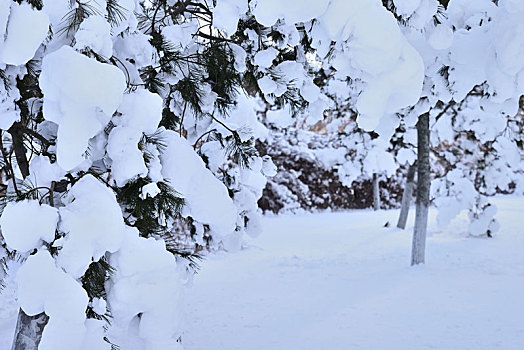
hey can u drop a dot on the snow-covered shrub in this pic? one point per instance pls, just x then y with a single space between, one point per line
310 175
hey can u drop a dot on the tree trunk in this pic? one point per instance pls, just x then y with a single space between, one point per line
28 332
406 196
376 193
423 186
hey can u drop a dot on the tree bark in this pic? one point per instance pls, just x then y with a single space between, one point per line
406 196
423 187
28 332
376 193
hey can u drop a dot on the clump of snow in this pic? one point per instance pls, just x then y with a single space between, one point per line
239 57
44 287
95 33
406 7
441 37
150 191
227 13
281 118
371 46
206 198
242 118
268 12
457 193
26 224
26 29
379 161
80 95
42 172
141 113
180 35
144 294
93 224
99 306
128 160
267 85
128 20
264 58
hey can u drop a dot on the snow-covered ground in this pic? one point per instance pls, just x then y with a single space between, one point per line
343 281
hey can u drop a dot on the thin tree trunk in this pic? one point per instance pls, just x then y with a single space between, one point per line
423 186
376 193
406 196
28 332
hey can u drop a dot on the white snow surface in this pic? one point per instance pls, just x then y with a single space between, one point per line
95 33
343 281
316 281
26 224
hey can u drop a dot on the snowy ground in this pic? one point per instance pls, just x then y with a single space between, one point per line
343 281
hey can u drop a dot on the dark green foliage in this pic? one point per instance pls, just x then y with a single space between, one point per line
169 119
146 212
151 80
115 12
37 4
189 89
187 253
5 81
3 264
241 152
79 11
222 75
93 281
293 99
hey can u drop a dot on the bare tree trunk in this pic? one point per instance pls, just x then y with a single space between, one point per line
376 193
406 196
28 332
423 186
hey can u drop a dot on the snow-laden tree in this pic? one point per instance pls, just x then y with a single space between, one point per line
127 146
471 92
417 63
